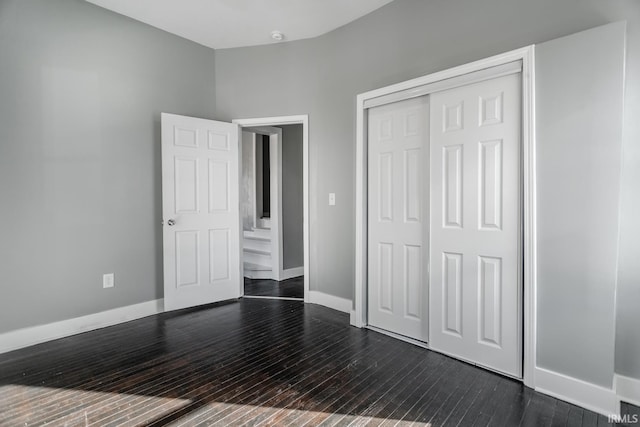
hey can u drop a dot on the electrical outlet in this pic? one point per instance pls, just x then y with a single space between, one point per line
108 280
332 199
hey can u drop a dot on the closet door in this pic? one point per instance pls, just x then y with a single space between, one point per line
476 279
398 218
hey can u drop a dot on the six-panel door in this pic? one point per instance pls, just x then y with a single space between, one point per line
398 218
201 232
476 273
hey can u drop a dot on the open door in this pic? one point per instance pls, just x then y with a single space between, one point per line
200 208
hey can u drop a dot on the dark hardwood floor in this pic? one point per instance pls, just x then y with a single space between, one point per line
259 362
291 288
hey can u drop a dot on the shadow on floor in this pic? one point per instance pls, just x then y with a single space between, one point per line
259 361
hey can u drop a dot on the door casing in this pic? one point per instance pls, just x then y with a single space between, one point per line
527 57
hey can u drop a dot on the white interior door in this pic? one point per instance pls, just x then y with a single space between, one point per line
200 204
398 218
475 292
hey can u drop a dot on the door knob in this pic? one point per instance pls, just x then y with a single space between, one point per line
171 222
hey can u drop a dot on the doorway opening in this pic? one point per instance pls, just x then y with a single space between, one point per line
274 207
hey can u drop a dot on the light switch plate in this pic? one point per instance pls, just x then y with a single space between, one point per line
332 199
108 280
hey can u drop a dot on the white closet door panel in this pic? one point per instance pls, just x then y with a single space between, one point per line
398 218
475 293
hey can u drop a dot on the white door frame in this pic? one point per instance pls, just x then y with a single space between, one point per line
290 120
526 56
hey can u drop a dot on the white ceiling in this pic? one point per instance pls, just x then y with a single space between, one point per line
234 23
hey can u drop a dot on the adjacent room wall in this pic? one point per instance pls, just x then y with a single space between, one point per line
410 38
292 197
247 183
81 92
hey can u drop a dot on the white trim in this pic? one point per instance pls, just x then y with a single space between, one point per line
240 222
336 303
590 396
529 244
290 273
526 55
360 293
441 85
291 120
627 389
254 158
492 61
26 337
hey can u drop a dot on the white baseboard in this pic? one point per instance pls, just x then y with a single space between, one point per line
627 389
590 396
336 303
290 273
26 337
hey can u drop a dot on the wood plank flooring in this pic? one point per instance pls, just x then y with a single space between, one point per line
290 288
259 362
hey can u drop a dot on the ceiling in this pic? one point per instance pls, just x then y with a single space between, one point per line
234 23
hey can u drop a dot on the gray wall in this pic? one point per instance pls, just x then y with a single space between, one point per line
579 99
81 91
406 39
292 197
247 184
